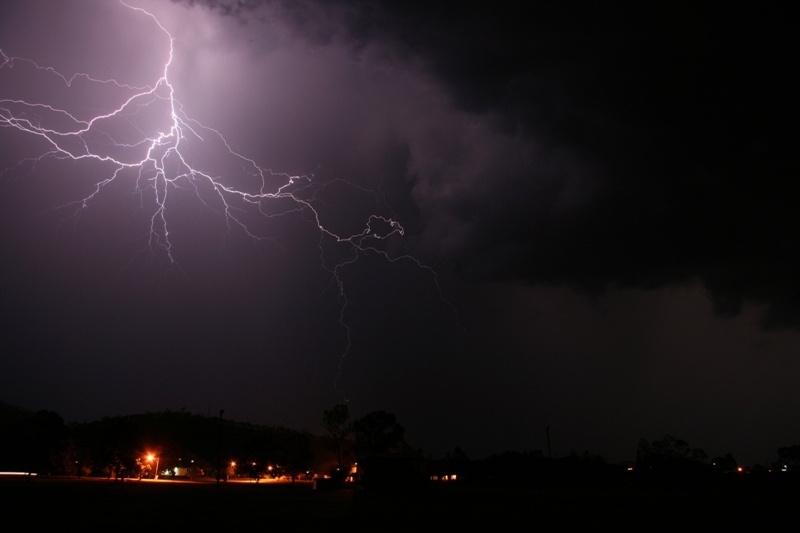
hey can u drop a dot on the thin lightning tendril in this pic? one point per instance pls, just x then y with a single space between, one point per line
164 164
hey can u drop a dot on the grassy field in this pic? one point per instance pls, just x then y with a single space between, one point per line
161 505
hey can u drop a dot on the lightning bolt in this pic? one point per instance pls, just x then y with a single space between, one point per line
148 138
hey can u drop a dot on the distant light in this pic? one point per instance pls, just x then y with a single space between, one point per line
740 469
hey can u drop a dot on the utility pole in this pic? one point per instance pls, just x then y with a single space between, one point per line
219 448
549 451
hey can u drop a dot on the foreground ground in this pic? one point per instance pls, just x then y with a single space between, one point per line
161 505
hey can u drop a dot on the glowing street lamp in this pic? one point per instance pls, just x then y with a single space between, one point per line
150 458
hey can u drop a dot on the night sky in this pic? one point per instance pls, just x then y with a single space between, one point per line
485 218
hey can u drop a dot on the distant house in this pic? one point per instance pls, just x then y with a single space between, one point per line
446 470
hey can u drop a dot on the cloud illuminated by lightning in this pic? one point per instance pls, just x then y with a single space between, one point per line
146 138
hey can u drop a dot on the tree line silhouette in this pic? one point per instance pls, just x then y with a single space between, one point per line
182 445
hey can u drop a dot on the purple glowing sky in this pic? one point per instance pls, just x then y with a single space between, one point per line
595 202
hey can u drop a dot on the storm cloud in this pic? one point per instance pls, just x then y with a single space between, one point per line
598 200
582 144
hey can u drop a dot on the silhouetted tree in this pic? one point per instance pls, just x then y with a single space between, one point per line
724 464
670 457
674 447
37 442
336 423
294 453
378 432
112 445
256 448
789 456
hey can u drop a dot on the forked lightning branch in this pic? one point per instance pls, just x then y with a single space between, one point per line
149 136
144 140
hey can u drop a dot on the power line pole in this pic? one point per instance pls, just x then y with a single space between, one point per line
219 448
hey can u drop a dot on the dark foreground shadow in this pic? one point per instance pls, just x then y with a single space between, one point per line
92 505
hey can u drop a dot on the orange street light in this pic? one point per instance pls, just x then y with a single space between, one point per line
150 458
